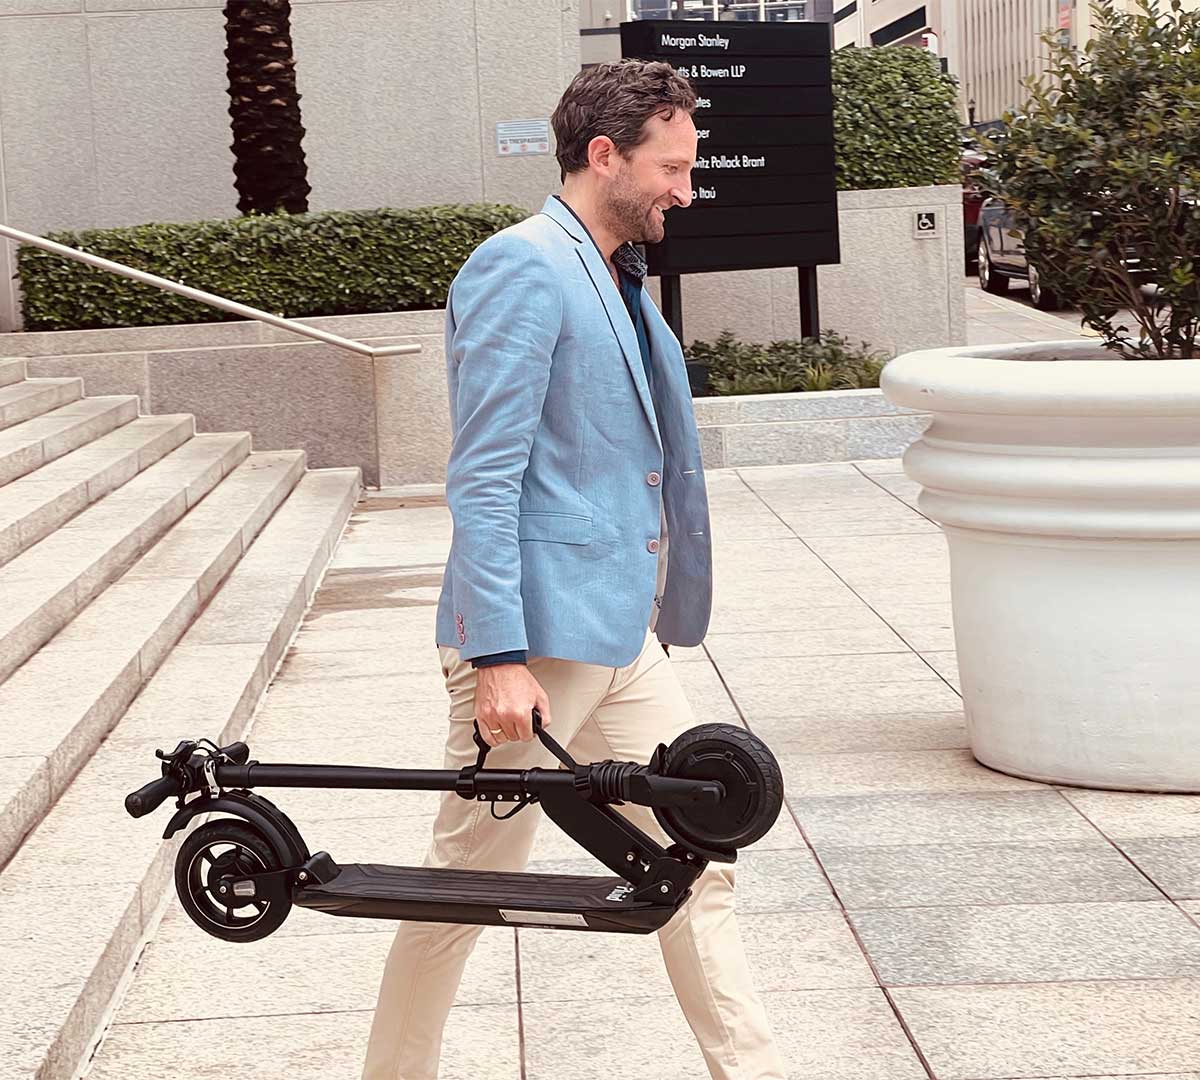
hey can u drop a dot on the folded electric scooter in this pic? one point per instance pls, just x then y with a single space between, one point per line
714 790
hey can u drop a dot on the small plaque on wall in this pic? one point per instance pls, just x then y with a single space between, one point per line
926 225
522 137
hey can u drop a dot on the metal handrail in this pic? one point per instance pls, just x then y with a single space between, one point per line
203 297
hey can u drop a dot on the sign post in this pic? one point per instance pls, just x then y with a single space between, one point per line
764 189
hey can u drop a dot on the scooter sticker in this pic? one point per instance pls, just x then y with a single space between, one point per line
619 893
542 918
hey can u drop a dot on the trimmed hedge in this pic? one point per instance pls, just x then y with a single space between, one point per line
830 362
895 119
329 263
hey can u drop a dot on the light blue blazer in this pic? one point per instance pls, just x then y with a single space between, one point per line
562 464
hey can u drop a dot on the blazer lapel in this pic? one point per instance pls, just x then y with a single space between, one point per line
610 297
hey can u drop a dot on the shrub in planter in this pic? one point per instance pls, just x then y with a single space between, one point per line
1102 172
1067 480
830 362
895 119
335 262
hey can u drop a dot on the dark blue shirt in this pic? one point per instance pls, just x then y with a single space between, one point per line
631 274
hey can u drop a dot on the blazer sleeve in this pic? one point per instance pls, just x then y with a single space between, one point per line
506 308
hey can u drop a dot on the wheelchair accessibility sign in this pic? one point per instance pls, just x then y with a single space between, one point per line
926 225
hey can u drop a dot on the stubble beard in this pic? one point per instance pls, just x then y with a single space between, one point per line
631 215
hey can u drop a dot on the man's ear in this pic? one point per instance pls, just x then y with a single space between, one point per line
602 155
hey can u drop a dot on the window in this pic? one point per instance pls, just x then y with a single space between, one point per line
726 10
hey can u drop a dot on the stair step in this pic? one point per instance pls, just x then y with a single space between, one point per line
45 586
21 401
32 507
113 646
12 371
208 685
30 445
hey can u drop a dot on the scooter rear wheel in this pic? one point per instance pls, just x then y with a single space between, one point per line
215 850
753 788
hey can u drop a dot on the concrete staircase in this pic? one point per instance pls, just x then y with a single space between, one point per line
150 579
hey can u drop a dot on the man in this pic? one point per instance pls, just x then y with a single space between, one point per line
574 445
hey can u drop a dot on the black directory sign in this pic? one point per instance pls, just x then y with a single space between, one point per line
763 188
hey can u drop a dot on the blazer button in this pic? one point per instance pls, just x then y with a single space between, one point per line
654 479
652 546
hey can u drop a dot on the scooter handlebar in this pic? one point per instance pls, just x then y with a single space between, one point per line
151 796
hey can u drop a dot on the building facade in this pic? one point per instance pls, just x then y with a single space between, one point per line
864 23
116 112
1000 44
990 46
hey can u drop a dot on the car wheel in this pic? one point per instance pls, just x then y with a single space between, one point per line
989 280
1043 299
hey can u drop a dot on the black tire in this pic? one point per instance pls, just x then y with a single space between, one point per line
753 785
196 886
990 280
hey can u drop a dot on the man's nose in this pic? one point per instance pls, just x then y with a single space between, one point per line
683 194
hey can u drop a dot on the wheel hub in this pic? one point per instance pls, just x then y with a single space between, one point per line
210 879
751 778
234 863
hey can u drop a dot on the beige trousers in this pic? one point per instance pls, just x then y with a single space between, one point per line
597 713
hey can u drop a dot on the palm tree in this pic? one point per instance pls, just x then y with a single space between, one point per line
269 168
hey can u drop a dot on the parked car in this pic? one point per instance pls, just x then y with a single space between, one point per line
1001 257
973 196
1002 260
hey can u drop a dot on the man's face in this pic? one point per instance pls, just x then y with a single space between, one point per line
655 176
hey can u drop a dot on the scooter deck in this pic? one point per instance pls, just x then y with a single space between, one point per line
426 894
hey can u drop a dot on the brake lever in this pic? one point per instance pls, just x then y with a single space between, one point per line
182 751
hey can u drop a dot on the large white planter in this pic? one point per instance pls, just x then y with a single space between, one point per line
1067 481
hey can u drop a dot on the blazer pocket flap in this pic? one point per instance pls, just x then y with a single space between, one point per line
556 528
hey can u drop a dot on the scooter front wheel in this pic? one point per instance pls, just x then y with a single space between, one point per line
222 849
753 788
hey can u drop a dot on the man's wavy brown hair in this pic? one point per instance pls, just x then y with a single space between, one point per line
615 99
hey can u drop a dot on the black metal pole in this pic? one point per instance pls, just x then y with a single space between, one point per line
810 308
361 777
672 304
368 778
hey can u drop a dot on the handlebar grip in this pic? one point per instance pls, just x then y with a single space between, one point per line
237 752
151 796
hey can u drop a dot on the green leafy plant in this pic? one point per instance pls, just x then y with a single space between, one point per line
829 362
895 119
329 263
1102 174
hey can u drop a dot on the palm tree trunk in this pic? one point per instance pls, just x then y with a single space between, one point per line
269 169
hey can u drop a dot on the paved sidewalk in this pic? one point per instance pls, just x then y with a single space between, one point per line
913 914
1000 320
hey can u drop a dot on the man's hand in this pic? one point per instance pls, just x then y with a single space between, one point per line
505 697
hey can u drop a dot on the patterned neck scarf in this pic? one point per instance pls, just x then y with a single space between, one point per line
628 257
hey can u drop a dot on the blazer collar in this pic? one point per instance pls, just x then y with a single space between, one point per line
610 297
558 210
